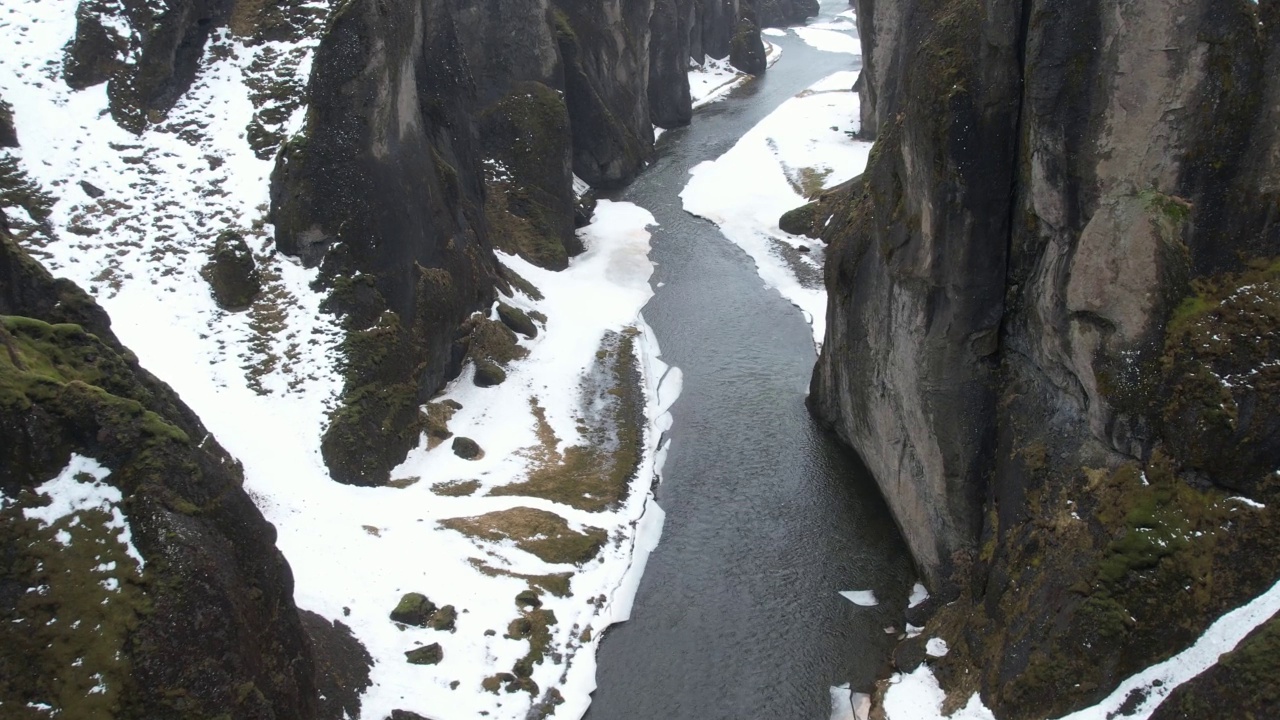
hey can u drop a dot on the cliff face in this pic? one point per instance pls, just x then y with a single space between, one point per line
438 131
916 276
207 626
1053 303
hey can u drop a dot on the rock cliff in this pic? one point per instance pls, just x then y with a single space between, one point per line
195 619
1051 328
437 132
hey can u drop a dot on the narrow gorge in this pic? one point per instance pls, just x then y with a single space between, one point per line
455 359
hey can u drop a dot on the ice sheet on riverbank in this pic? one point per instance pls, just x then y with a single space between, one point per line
830 38
714 79
263 381
917 696
800 148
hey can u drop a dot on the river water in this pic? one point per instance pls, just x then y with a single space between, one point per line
768 517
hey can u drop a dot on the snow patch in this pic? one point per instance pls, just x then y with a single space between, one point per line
918 595
936 648
864 598
918 696
802 146
78 488
829 40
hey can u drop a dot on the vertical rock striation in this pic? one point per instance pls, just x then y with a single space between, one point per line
438 131
916 274
1054 298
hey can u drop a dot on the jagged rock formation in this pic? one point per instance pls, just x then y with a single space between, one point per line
386 189
670 29
1054 298
778 13
208 626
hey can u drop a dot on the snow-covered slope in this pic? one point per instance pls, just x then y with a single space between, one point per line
134 221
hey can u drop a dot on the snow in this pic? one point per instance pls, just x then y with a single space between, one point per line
936 648
842 703
714 78
918 595
263 381
864 598
774 32
829 40
918 696
78 488
748 188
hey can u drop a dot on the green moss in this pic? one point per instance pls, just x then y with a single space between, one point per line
535 626
66 637
529 204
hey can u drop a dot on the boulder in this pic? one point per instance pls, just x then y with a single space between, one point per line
517 320
232 273
466 448
413 609
427 655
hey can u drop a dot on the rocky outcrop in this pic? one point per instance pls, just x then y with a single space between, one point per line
780 13
232 273
148 71
746 52
1052 298
383 190
207 626
8 132
436 132
605 49
916 278
670 104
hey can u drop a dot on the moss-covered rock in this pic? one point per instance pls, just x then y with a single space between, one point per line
232 273
801 221
517 320
529 175
747 52
445 618
413 609
426 655
68 387
489 374
466 448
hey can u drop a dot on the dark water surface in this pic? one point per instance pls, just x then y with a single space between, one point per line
737 615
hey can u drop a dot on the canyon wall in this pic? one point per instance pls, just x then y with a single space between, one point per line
1051 334
437 132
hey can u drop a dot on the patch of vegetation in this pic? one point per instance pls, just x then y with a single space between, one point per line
538 532
533 625
529 200
456 488
436 423
597 475
555 583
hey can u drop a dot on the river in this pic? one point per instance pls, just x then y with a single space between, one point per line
767 516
